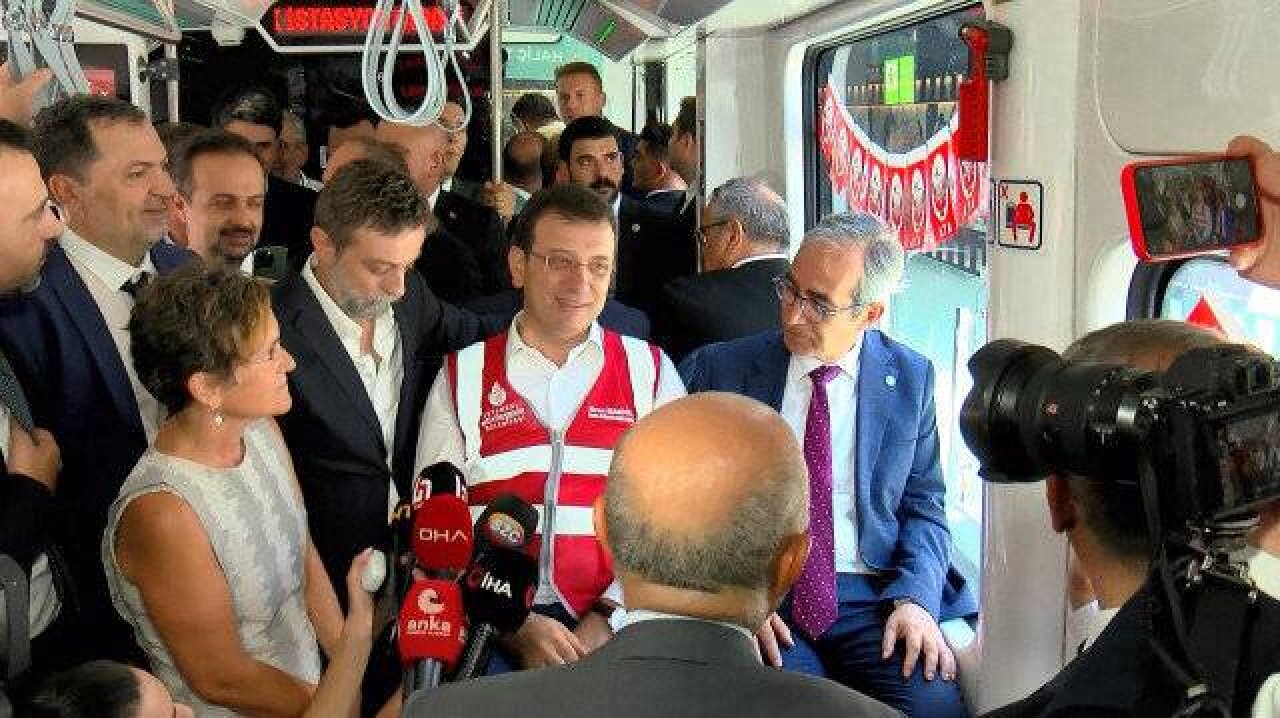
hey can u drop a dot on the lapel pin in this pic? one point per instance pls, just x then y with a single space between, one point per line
891 381
635 228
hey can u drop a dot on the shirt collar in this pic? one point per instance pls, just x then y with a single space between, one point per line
109 270
517 345
446 185
759 258
617 205
640 615
344 325
431 200
800 366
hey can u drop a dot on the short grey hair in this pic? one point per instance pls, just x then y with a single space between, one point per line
736 553
883 259
761 211
288 118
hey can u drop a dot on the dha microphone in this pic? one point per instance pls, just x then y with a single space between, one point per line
432 631
442 535
500 583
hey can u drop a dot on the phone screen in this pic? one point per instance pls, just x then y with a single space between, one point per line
1196 206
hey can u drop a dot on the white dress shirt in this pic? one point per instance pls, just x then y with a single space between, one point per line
381 372
103 275
641 615
553 392
842 400
44 604
758 258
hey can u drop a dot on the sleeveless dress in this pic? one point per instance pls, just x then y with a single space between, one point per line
255 522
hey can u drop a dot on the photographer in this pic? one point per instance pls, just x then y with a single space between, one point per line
1120 673
1261 262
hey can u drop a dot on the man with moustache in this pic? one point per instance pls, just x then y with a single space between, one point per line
67 341
651 250
29 455
221 190
564 390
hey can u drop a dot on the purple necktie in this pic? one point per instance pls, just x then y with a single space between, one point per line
814 595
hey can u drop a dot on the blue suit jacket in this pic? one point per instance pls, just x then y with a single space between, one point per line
75 381
902 526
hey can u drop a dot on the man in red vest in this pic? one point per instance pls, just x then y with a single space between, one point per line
536 411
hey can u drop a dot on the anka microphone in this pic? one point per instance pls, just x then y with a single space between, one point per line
432 632
500 583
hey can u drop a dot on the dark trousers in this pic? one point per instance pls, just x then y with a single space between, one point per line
503 661
849 653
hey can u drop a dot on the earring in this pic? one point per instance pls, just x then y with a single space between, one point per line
218 418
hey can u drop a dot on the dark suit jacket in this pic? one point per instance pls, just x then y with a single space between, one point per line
661 668
902 528
617 316
27 517
479 228
75 381
718 306
450 267
669 203
287 216
652 250
332 429
1120 675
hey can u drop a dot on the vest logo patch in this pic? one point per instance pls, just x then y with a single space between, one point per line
620 414
500 414
497 395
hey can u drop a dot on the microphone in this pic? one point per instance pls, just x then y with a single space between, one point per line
438 479
431 632
442 535
500 583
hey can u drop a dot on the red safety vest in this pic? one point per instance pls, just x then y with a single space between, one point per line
508 450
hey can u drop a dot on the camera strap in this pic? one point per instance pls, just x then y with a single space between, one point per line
1218 632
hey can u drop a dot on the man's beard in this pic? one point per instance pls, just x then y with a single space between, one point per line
360 309
604 184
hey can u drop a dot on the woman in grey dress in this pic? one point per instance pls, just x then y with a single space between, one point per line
207 551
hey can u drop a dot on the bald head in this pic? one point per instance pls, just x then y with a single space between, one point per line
704 495
424 149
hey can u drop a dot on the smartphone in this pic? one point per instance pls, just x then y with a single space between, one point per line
1190 206
270 262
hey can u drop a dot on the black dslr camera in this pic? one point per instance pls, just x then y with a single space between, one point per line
1208 428
1200 442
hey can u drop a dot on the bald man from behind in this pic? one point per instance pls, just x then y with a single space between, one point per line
705 517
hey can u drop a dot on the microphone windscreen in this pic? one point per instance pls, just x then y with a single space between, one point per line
439 479
499 587
508 521
442 534
432 623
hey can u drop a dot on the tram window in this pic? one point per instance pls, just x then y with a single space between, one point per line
1209 292
898 88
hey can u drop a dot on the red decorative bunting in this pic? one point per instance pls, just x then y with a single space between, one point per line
925 194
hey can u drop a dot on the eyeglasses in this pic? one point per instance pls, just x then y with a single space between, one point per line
701 232
813 310
562 263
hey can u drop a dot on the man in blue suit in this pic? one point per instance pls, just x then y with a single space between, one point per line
866 609
68 342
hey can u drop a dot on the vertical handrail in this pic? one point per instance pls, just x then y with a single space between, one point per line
497 20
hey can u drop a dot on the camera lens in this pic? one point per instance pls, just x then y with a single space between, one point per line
990 419
1030 414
